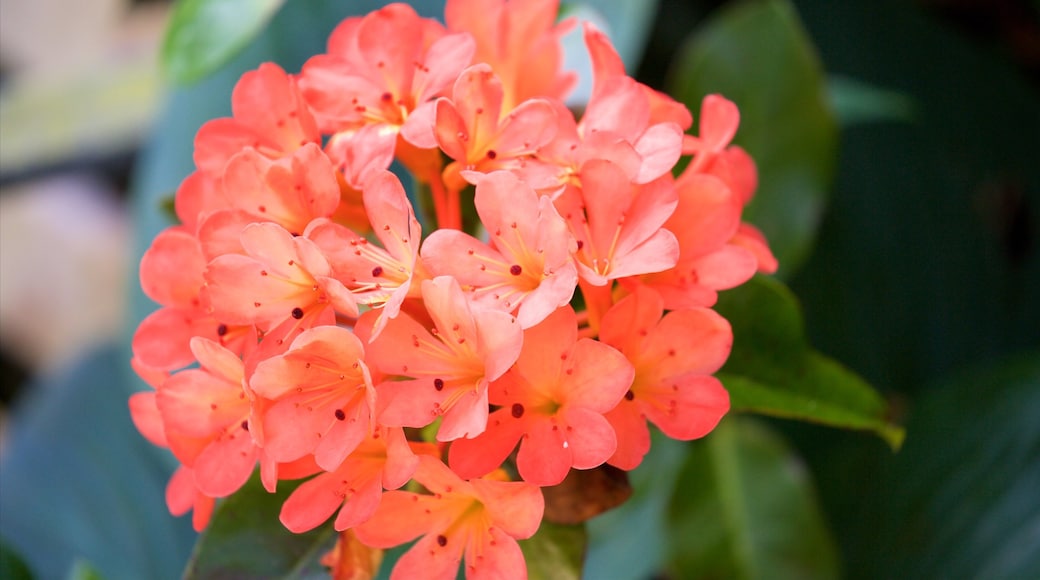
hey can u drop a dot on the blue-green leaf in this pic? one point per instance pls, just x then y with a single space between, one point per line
629 542
205 34
82 570
81 484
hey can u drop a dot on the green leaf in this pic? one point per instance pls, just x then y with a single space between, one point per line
856 102
11 565
555 552
246 539
962 495
628 542
744 508
205 34
82 570
757 54
79 483
168 207
917 207
773 371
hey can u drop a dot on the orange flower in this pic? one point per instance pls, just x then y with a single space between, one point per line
529 269
380 277
321 397
448 366
479 520
478 129
618 224
713 154
552 402
520 40
674 358
205 414
268 117
706 219
280 279
367 90
383 459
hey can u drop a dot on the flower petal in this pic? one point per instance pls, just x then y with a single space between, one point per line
484 453
590 437
226 464
145 414
544 458
311 504
699 404
633 436
514 506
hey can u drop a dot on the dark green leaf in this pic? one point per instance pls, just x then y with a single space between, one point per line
11 565
555 552
205 34
855 102
963 497
757 54
929 257
245 539
772 370
744 508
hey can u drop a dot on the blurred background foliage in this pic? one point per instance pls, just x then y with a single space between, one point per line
899 150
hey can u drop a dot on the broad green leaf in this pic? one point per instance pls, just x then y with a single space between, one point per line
929 258
773 371
629 542
79 483
963 497
757 54
959 500
555 552
245 539
82 570
929 263
205 34
11 565
855 102
744 508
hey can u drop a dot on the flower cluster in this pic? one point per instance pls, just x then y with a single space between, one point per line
310 325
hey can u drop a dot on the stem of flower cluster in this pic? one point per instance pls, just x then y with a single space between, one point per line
439 200
597 302
454 209
446 205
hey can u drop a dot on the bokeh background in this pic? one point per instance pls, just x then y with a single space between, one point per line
919 270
